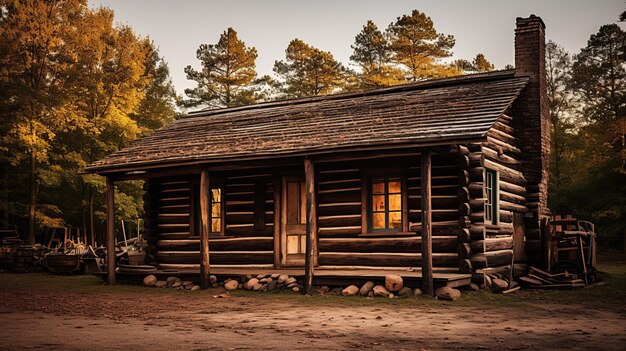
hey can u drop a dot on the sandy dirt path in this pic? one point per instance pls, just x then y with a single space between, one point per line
64 319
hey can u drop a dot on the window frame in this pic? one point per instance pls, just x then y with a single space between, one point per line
491 193
367 201
221 187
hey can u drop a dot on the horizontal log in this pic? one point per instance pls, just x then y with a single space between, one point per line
385 259
219 244
492 244
476 190
475 159
494 143
339 231
249 231
477 217
440 202
477 205
512 198
501 158
506 205
182 218
477 232
492 259
476 174
512 188
339 220
216 257
339 184
438 228
332 209
464 222
506 173
437 215
408 244
348 196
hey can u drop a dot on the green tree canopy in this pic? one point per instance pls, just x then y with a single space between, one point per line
308 71
372 53
477 65
418 47
227 74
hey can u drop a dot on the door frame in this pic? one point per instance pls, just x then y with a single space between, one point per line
284 262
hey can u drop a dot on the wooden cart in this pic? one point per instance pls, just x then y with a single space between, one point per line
570 246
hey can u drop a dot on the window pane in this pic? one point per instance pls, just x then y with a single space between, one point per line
292 244
216 225
378 203
216 210
302 243
395 220
395 202
378 220
378 186
394 186
216 195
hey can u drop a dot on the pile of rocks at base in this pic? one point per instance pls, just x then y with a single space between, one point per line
393 287
170 282
266 282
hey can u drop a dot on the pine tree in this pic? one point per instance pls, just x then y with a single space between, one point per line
479 64
226 76
308 71
372 53
418 47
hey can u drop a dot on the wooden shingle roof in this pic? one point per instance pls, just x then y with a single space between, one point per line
451 109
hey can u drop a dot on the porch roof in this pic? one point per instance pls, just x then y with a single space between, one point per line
436 111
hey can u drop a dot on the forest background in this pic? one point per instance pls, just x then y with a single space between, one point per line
75 86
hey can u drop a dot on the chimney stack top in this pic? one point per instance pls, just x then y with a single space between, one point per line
530 20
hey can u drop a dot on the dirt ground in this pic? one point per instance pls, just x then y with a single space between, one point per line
45 312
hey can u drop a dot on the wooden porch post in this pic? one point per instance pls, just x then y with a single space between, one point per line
427 245
110 199
311 226
205 207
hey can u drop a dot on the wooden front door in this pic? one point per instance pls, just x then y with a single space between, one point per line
293 223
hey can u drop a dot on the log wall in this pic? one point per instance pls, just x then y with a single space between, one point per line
343 240
485 247
247 240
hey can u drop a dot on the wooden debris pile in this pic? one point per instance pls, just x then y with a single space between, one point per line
538 279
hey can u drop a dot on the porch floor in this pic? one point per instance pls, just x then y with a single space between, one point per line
322 276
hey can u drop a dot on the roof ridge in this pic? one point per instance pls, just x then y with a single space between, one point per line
430 83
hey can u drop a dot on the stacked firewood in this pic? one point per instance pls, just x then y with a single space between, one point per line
538 279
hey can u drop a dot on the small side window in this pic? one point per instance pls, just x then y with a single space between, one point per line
492 205
216 211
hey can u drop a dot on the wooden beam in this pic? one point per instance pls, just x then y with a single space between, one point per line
110 199
205 207
311 226
277 225
427 230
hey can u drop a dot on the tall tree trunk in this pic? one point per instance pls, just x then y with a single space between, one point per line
32 199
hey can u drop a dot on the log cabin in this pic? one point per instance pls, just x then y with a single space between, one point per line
440 181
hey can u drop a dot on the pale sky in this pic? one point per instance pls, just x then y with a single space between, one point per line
178 27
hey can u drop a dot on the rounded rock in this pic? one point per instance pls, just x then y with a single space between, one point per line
231 285
350 291
150 281
393 282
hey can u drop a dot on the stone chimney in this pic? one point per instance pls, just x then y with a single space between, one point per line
531 110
